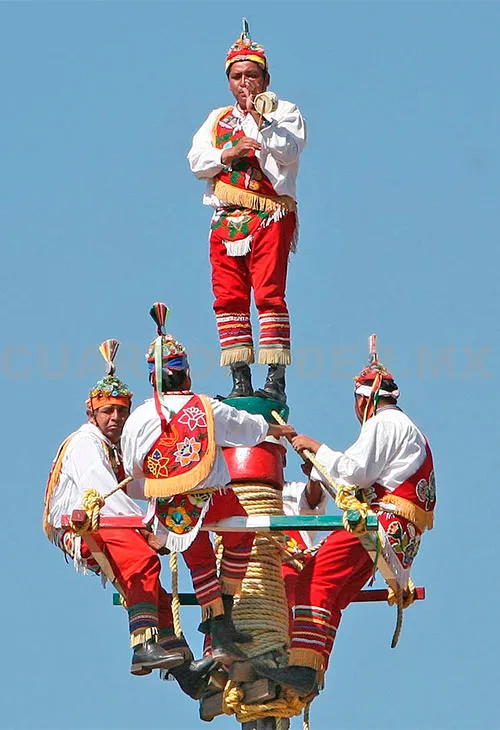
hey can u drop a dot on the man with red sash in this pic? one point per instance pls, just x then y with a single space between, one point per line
250 162
174 440
392 463
90 458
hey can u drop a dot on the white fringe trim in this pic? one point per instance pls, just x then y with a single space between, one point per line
401 574
179 543
238 248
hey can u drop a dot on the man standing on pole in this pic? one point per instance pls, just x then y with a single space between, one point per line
249 155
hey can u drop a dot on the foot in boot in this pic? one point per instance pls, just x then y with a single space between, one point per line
274 386
302 680
242 380
151 655
224 650
238 636
192 677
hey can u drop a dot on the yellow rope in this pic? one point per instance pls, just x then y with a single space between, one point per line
176 604
288 704
307 712
91 503
346 500
262 609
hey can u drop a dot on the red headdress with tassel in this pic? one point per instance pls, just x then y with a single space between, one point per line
369 382
245 49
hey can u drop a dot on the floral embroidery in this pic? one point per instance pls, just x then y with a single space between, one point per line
426 491
291 545
404 541
180 514
193 417
187 451
156 465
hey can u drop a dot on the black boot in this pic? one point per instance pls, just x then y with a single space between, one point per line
192 677
274 386
224 650
242 380
238 636
150 655
303 680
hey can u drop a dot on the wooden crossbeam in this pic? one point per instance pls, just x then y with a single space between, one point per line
369 595
252 523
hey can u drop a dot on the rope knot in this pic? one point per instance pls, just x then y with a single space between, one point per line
354 512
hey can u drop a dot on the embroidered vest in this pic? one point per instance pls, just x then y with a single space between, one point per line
183 455
414 499
244 184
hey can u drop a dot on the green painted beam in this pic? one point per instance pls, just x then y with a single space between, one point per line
280 523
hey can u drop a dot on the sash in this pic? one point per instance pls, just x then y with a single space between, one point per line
410 513
244 184
183 455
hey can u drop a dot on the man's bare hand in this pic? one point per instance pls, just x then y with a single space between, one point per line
241 149
278 431
302 442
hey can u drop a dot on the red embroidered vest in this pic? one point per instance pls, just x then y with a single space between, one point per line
183 455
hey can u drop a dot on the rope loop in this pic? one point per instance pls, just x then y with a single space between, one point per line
346 500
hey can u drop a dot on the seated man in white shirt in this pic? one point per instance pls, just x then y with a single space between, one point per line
90 458
392 463
175 441
250 162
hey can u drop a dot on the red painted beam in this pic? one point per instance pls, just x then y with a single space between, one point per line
380 594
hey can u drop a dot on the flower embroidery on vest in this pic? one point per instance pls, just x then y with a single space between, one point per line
426 490
156 465
404 541
187 451
193 417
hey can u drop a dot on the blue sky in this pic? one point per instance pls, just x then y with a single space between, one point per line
100 216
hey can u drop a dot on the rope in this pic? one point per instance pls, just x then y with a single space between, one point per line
262 609
347 501
92 502
307 713
176 604
288 704
402 599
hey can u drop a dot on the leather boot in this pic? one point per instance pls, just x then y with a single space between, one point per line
150 655
192 677
238 636
303 680
224 650
274 386
242 380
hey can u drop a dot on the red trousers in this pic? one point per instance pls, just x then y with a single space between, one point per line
290 573
263 270
201 561
330 580
137 569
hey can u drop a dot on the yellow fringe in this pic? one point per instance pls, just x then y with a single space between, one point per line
307 658
222 114
412 512
237 354
274 356
408 596
212 609
183 483
232 195
52 484
230 586
143 635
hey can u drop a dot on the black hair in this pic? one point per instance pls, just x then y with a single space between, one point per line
172 380
389 386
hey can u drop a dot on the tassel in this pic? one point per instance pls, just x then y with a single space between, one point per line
307 658
372 349
159 312
255 201
108 350
238 248
274 356
237 354
143 635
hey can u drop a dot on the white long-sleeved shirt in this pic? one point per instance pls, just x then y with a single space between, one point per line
390 448
86 465
295 503
232 428
282 140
